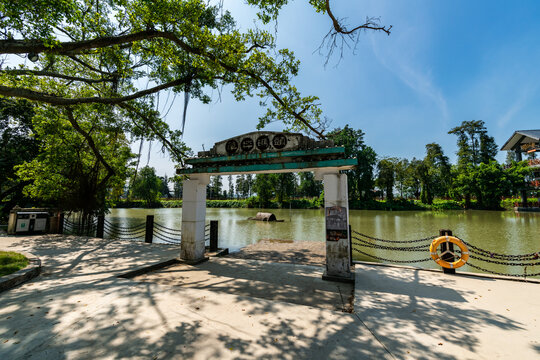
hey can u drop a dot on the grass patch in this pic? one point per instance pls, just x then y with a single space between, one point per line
11 262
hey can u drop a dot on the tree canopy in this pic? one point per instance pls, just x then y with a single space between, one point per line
16 146
74 58
66 171
101 52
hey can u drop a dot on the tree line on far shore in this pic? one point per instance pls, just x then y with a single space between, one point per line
477 180
45 163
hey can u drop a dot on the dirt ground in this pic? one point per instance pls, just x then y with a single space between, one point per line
304 253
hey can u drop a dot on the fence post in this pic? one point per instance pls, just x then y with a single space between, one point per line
61 223
100 226
350 246
447 257
149 233
213 235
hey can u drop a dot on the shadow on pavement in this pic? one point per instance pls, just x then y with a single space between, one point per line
419 315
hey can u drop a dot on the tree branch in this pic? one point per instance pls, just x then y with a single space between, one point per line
342 30
76 59
62 101
15 188
55 75
179 154
90 141
70 48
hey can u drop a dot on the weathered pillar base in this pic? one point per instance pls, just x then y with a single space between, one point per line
341 278
193 219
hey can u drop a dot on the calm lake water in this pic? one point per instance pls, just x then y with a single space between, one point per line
497 231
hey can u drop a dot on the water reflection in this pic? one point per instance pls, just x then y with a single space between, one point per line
503 232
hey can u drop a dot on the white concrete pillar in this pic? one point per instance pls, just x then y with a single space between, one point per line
336 206
193 218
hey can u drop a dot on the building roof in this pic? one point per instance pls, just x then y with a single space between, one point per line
521 137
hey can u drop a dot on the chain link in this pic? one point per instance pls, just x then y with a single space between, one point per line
157 232
141 225
394 241
123 230
483 255
499 273
167 230
398 248
530 256
125 233
113 235
503 263
176 242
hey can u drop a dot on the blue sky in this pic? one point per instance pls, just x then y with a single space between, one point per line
445 62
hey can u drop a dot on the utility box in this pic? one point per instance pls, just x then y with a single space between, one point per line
29 221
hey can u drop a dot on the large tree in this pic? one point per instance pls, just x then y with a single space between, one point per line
386 176
147 186
285 186
475 146
102 51
119 54
213 189
17 145
434 173
264 185
308 186
360 180
66 172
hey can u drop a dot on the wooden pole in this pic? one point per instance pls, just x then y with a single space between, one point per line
447 257
61 223
149 234
350 246
213 235
100 226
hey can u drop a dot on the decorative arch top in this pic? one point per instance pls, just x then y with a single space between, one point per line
264 141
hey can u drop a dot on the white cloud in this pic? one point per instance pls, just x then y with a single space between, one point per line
409 72
517 105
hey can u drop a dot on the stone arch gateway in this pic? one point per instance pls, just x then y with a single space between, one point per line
271 152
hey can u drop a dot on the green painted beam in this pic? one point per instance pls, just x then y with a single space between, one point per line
276 167
268 155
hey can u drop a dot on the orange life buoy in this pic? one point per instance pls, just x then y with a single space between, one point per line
449 239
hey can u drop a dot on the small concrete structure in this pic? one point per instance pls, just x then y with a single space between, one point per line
264 216
45 220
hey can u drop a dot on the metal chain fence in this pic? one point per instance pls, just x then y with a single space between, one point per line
164 234
361 242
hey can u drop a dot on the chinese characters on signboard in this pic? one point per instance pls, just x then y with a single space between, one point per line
336 223
261 143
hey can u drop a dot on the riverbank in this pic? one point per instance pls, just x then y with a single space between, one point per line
275 250
316 203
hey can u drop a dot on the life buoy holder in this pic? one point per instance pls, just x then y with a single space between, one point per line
449 239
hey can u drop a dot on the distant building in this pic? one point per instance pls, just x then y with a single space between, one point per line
528 142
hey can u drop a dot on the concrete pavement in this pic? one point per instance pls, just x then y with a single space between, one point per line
79 309
231 308
421 314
